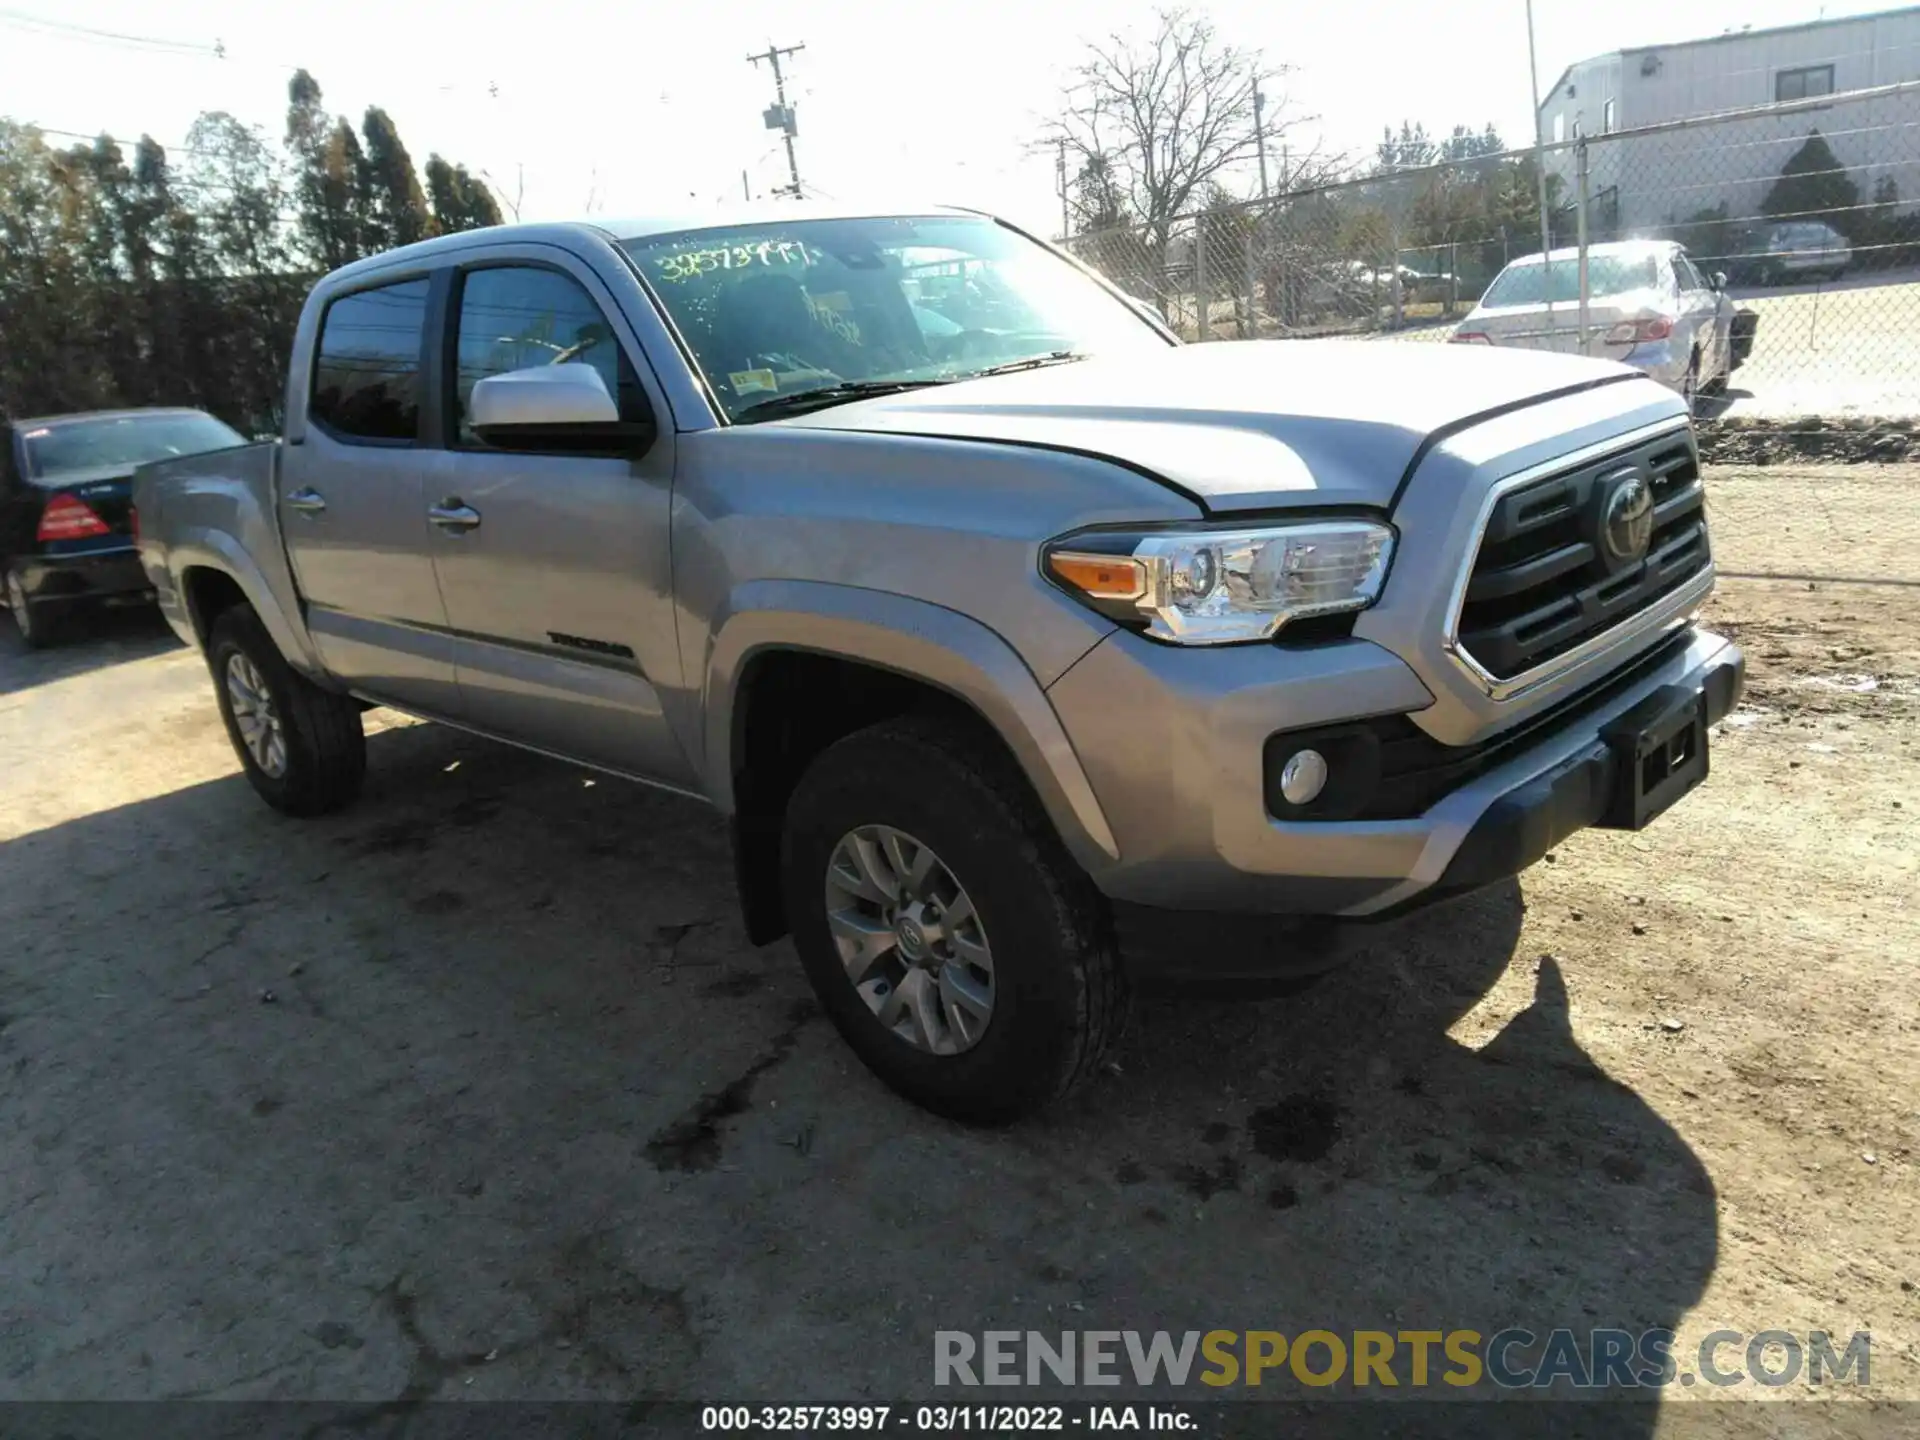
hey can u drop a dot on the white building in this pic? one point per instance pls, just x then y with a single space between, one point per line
1641 182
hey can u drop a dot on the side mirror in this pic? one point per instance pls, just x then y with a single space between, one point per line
1719 279
568 394
553 407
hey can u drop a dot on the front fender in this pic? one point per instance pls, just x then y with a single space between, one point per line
926 642
200 547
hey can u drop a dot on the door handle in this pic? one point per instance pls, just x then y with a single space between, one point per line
307 501
454 515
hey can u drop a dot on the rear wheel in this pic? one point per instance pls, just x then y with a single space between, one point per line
37 624
302 747
952 941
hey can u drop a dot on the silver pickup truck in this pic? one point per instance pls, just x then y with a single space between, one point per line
1028 652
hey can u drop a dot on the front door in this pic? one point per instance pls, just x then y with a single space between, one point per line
1708 316
353 504
555 567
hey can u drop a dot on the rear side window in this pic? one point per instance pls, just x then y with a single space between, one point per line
366 376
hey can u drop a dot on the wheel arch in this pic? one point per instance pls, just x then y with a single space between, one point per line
785 646
210 569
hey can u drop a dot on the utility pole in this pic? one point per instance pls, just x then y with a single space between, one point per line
1540 169
1060 174
779 116
1260 135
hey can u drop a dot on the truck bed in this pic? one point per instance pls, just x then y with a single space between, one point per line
219 512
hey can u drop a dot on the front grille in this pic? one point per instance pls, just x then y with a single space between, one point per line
1544 580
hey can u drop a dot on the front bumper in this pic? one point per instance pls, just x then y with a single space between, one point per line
1172 740
109 576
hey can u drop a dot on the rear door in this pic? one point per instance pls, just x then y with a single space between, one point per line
555 564
353 502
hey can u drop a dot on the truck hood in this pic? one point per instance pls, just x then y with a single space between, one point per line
1246 426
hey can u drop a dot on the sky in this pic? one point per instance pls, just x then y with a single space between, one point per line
576 107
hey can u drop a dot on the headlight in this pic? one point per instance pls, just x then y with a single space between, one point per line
1221 587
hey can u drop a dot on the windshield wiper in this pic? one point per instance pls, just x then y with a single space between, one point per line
1032 362
821 396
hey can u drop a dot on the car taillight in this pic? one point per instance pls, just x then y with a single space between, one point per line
1633 332
66 518
1472 337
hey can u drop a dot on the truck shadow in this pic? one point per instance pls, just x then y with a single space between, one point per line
492 1044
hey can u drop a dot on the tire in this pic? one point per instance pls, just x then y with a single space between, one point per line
321 757
38 626
1058 998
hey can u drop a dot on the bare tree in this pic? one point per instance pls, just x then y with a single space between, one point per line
1155 124
511 206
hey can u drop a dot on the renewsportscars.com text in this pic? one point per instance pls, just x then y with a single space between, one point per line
1510 1359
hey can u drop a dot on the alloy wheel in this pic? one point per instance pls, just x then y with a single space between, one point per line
255 716
911 942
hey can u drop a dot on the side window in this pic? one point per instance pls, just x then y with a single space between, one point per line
1689 277
366 375
518 317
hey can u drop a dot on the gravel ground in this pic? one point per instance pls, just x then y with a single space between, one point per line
476 1090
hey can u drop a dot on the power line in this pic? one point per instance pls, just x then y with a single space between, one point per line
159 45
779 116
20 19
171 150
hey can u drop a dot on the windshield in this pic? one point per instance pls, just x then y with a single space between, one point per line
784 308
1524 283
120 441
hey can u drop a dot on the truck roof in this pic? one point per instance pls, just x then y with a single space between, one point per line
762 212
717 217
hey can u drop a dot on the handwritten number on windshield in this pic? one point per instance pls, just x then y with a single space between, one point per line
689 264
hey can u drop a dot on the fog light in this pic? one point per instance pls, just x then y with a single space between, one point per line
1303 777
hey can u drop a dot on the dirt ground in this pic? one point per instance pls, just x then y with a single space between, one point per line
477 1091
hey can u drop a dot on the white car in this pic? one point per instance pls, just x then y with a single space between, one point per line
1648 305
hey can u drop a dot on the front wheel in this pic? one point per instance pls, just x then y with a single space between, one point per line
950 938
302 747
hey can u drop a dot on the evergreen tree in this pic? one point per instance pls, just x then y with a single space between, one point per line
460 201
1814 185
328 186
1408 150
98 187
397 207
130 281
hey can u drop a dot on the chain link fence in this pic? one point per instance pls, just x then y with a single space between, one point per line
1797 308
1802 222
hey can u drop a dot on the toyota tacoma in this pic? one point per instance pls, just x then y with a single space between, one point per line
1028 652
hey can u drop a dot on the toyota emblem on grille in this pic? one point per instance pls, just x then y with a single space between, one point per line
1626 518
